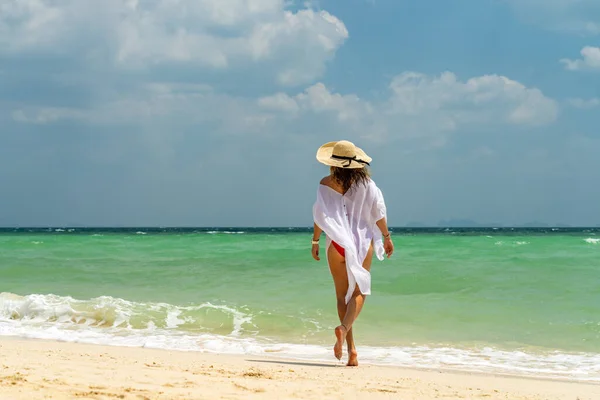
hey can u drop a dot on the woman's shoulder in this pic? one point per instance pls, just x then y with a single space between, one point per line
326 180
371 183
327 184
373 188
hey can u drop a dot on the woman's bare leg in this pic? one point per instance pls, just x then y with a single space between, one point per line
346 312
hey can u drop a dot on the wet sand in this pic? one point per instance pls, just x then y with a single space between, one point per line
37 369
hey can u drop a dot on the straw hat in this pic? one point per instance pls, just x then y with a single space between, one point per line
342 154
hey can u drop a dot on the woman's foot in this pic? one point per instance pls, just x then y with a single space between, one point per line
352 358
340 335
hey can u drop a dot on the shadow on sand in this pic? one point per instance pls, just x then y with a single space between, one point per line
300 363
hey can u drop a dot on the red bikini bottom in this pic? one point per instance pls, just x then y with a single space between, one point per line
339 248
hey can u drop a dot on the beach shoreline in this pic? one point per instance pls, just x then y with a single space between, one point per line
37 369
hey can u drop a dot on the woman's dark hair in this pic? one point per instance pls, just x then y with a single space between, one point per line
349 176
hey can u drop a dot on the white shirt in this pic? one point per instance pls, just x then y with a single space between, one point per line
350 220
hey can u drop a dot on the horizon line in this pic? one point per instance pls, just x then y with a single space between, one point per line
292 227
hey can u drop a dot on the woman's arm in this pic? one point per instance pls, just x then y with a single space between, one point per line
315 247
316 232
382 225
388 245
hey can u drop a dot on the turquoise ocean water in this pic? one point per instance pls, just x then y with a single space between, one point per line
498 300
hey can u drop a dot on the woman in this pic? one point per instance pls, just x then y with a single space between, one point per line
351 211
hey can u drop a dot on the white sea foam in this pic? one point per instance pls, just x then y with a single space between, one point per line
38 310
592 240
515 243
116 322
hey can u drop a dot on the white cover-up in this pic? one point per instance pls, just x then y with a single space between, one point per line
350 220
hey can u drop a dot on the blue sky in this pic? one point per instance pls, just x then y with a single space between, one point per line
209 112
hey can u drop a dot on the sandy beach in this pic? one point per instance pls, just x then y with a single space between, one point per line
36 369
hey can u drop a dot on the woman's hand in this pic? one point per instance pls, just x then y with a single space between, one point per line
388 246
315 252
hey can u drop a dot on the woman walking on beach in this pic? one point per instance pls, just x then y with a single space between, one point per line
351 211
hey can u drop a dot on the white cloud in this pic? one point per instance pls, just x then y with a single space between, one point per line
590 60
477 100
46 115
423 106
213 34
28 23
305 40
579 17
592 28
160 110
279 102
319 99
584 104
418 107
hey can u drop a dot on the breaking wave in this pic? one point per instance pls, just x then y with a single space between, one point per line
214 328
